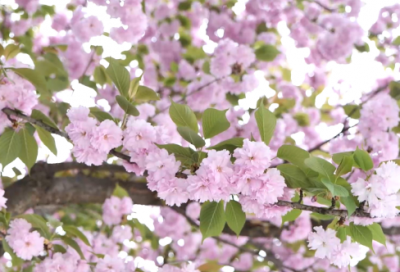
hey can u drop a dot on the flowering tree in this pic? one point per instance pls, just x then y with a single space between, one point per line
170 170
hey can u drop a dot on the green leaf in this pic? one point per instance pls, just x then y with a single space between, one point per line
145 94
342 234
363 159
183 116
396 41
293 154
100 75
185 5
291 216
345 166
192 137
72 243
394 87
15 259
361 234
362 48
29 148
59 248
38 115
194 53
377 233
266 122
321 166
336 190
352 111
182 154
303 119
1 50
230 144
38 223
350 204
319 216
212 219
75 232
266 52
120 192
10 146
120 76
211 266
214 122
34 77
100 115
294 177
235 217
338 157
47 139
11 51
127 106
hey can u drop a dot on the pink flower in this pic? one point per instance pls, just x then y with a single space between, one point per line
26 245
324 242
78 114
86 28
3 200
161 165
106 136
110 264
121 233
138 135
114 208
255 156
173 191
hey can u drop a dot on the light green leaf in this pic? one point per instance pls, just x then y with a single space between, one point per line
293 154
350 204
377 233
192 137
11 51
47 139
345 166
145 94
72 243
212 219
183 116
100 115
338 157
266 122
120 76
363 159
291 216
10 146
235 217
38 223
75 232
396 41
342 234
211 266
100 75
38 115
294 177
336 190
230 144
33 76
214 122
182 154
29 148
127 106
120 192
266 52
352 111
361 234
321 166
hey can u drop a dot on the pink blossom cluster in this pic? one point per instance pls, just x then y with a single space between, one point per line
15 93
327 245
114 208
111 264
185 268
92 141
25 243
380 190
63 262
85 27
378 116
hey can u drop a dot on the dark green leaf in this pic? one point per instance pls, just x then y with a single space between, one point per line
120 192
235 217
29 148
350 204
192 137
59 248
363 159
36 78
10 146
120 76
266 122
230 144
127 106
394 87
38 115
47 139
183 116
38 223
214 122
266 52
352 111
72 243
181 153
212 219
75 232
